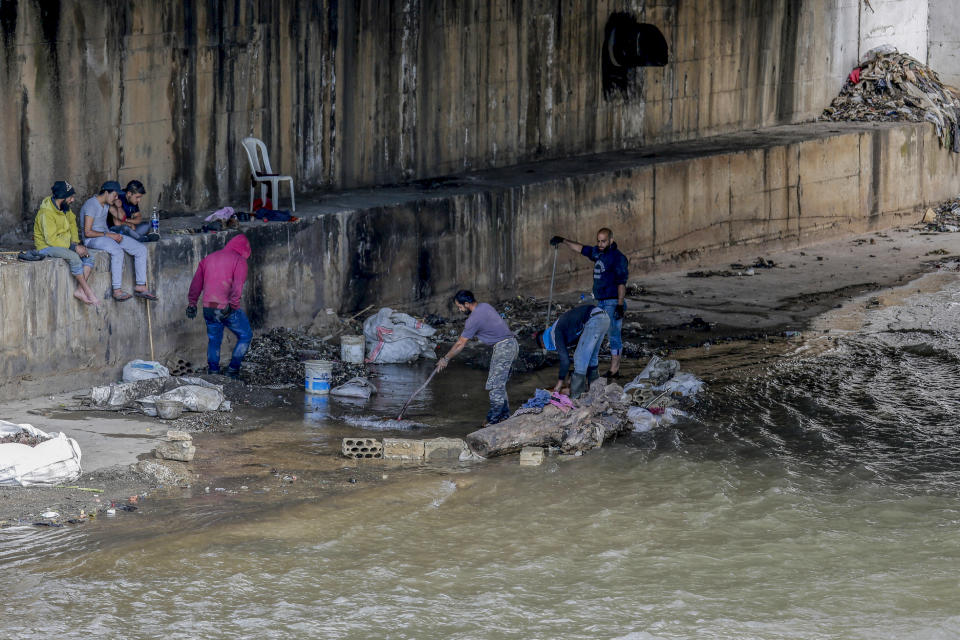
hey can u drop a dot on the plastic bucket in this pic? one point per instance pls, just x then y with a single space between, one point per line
351 349
318 376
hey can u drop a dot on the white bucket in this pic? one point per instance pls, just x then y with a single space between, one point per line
318 376
351 349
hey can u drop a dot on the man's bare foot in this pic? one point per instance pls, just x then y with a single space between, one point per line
82 297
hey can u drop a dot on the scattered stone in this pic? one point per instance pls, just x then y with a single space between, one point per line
164 472
182 450
173 436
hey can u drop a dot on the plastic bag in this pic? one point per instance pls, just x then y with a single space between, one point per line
355 388
143 370
393 336
193 397
53 461
644 421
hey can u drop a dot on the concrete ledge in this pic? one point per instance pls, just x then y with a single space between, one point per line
412 246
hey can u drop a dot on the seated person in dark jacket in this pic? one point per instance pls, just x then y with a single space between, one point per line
583 327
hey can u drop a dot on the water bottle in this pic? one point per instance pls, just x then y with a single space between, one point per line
155 220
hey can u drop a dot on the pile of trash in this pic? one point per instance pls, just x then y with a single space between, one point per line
891 86
548 419
147 396
944 218
276 357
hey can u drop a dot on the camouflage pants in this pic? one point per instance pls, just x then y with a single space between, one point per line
504 353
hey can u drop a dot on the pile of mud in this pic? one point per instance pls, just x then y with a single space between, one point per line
891 86
277 356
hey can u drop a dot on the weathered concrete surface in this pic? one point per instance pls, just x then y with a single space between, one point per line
412 247
901 23
943 51
360 93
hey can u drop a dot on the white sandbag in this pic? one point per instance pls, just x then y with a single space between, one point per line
124 393
53 461
355 388
393 336
143 370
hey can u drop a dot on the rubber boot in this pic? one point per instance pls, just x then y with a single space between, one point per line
578 384
592 374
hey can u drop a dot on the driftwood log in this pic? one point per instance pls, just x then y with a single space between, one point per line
598 414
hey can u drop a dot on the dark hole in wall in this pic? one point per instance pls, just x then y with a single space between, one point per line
628 45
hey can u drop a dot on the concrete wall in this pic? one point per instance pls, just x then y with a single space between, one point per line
901 23
943 53
413 248
373 92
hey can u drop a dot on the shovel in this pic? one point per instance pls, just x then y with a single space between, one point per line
406 404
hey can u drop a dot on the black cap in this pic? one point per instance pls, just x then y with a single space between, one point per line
62 189
111 185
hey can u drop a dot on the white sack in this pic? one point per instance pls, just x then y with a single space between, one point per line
143 370
392 336
355 388
53 461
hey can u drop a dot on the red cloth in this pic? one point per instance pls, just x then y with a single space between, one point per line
854 76
221 275
260 204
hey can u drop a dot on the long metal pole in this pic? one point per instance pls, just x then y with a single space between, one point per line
553 273
403 409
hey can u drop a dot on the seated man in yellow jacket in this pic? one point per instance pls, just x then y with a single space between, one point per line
55 235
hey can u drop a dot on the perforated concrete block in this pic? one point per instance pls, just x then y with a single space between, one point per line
362 448
402 449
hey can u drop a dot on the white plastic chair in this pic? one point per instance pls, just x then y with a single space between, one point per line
263 174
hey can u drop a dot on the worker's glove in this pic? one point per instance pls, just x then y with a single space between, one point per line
191 312
619 311
556 240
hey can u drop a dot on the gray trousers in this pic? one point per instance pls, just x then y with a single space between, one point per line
504 353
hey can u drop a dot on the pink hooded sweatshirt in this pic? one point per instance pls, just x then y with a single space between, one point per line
221 275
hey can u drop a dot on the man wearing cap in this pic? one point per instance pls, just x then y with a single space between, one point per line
98 236
55 235
486 325
125 216
583 326
610 273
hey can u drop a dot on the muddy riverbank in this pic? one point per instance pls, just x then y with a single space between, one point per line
709 313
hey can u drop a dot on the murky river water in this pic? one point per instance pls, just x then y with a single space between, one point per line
809 497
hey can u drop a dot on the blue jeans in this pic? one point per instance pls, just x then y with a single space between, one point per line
616 342
139 234
72 257
238 323
588 346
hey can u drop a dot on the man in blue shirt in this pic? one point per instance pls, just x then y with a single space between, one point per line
583 326
126 217
610 273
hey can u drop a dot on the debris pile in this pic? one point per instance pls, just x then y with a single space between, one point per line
944 217
891 86
277 356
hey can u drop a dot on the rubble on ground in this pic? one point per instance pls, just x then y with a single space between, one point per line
891 86
945 217
276 357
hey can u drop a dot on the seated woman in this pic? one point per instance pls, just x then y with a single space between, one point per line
55 235
98 236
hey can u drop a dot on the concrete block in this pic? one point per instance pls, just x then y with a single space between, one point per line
174 436
443 449
531 456
180 450
362 448
400 449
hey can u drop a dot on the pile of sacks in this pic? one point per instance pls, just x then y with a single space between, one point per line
891 86
655 392
196 394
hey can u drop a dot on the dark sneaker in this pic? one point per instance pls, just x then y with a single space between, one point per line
152 237
233 374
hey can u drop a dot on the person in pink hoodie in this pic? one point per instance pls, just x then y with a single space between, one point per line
220 278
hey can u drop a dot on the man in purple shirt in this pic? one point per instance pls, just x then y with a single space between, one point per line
486 325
